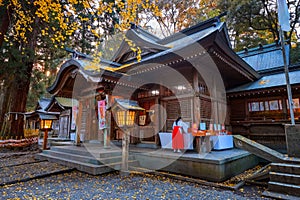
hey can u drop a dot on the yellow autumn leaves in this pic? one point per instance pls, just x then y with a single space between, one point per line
129 11
54 17
47 10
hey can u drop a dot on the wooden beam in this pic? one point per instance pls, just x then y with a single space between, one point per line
157 122
78 123
181 96
196 100
107 130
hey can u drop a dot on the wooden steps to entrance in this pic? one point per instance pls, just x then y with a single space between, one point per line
93 162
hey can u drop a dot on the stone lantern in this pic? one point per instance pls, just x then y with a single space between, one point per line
124 112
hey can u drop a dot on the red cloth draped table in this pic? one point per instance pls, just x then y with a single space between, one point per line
177 138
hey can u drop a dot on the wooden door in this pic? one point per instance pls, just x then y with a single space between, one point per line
64 126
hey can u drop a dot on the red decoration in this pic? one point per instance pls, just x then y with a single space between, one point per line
177 138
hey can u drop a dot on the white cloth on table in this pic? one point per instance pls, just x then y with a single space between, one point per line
221 142
166 140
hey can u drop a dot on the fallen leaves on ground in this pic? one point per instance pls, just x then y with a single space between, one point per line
77 185
241 177
18 168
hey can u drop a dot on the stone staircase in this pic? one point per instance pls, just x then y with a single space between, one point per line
284 181
284 172
91 162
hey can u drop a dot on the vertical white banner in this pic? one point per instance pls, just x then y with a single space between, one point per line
74 117
101 114
283 15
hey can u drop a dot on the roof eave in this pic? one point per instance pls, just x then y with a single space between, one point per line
76 66
247 69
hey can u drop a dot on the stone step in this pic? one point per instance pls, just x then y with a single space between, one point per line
58 143
114 159
78 151
285 178
80 166
284 188
94 169
110 154
88 152
88 159
275 195
285 168
76 157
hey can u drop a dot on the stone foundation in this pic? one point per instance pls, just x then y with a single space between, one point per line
292 133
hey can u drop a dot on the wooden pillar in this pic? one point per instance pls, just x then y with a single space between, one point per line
164 105
156 121
247 117
45 139
125 152
196 118
284 108
78 123
88 127
107 130
196 101
214 105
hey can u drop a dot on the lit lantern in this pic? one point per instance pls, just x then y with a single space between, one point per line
45 125
124 112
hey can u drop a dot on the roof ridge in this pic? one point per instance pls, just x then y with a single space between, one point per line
263 48
195 28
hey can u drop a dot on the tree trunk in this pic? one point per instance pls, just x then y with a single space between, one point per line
4 87
19 93
14 102
5 23
4 104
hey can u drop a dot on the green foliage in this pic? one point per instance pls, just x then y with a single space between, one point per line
295 54
49 58
253 22
13 64
248 22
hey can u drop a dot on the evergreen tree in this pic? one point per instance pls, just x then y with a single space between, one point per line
30 28
253 22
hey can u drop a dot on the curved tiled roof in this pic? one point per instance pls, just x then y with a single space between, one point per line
269 81
265 57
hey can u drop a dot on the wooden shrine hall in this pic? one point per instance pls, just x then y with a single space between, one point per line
194 74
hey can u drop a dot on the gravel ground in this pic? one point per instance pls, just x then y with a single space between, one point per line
19 168
76 185
34 180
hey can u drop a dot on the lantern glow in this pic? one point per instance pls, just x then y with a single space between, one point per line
125 112
46 124
125 118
